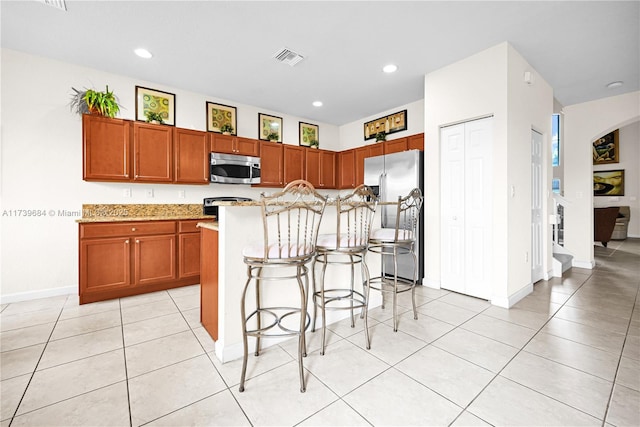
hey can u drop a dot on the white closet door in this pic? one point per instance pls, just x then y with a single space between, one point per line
452 205
537 268
466 200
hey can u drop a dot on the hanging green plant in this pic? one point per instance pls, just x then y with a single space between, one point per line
90 101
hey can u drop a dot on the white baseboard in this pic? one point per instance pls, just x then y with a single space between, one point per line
45 293
583 264
548 275
431 283
508 302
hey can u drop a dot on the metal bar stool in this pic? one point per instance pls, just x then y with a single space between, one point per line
392 242
291 220
347 246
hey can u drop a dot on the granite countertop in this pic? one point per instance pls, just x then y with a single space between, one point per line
141 212
208 225
331 202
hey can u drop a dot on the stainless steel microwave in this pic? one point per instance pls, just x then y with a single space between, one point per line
234 169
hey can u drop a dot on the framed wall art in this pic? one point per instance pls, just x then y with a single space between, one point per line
155 101
269 128
392 123
309 135
220 117
608 183
606 150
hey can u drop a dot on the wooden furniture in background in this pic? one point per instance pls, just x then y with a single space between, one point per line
604 221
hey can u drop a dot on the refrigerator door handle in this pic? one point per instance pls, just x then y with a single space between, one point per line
383 193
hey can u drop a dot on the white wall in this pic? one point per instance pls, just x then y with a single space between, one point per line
490 83
352 134
584 123
42 166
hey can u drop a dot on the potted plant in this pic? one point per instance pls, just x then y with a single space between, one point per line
153 117
90 101
273 136
381 136
226 129
314 143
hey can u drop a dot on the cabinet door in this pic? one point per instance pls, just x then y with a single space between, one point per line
346 173
188 255
153 152
312 166
248 147
191 159
223 143
376 150
360 154
106 149
327 169
293 163
105 264
395 146
271 164
154 259
416 142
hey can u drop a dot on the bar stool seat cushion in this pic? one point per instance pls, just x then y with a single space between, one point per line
389 235
275 251
328 242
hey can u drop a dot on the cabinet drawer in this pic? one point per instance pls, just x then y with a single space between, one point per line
127 229
190 225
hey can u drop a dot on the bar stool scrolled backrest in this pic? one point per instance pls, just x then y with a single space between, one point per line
355 216
291 219
408 216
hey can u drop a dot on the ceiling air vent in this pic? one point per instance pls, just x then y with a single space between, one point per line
288 57
58 4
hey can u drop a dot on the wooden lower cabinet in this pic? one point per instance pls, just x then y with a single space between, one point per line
128 258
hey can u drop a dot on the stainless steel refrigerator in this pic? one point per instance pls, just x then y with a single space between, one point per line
390 176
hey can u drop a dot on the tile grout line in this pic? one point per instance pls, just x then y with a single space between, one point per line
124 356
33 373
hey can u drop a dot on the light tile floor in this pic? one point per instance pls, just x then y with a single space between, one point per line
568 354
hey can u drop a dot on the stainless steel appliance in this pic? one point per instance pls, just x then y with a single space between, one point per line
209 206
390 176
234 169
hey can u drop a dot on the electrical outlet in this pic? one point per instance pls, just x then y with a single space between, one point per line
126 192
149 192
181 194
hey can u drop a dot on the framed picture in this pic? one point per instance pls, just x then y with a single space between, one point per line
269 128
309 135
155 101
608 183
219 115
605 149
392 123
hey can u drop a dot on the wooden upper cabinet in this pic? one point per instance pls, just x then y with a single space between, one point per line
395 145
312 167
376 150
346 169
293 163
327 169
106 148
360 154
152 152
271 164
191 156
416 142
234 145
247 147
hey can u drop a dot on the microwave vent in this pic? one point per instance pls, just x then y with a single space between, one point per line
287 56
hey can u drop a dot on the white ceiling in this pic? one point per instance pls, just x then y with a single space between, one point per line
224 49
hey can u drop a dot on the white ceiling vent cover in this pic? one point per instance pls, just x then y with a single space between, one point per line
58 4
287 56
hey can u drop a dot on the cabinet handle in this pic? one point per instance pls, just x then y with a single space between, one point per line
137 241
133 229
127 241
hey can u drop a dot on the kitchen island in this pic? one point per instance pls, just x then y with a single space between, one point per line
239 224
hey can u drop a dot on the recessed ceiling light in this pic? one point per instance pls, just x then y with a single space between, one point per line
143 53
317 103
614 85
390 68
